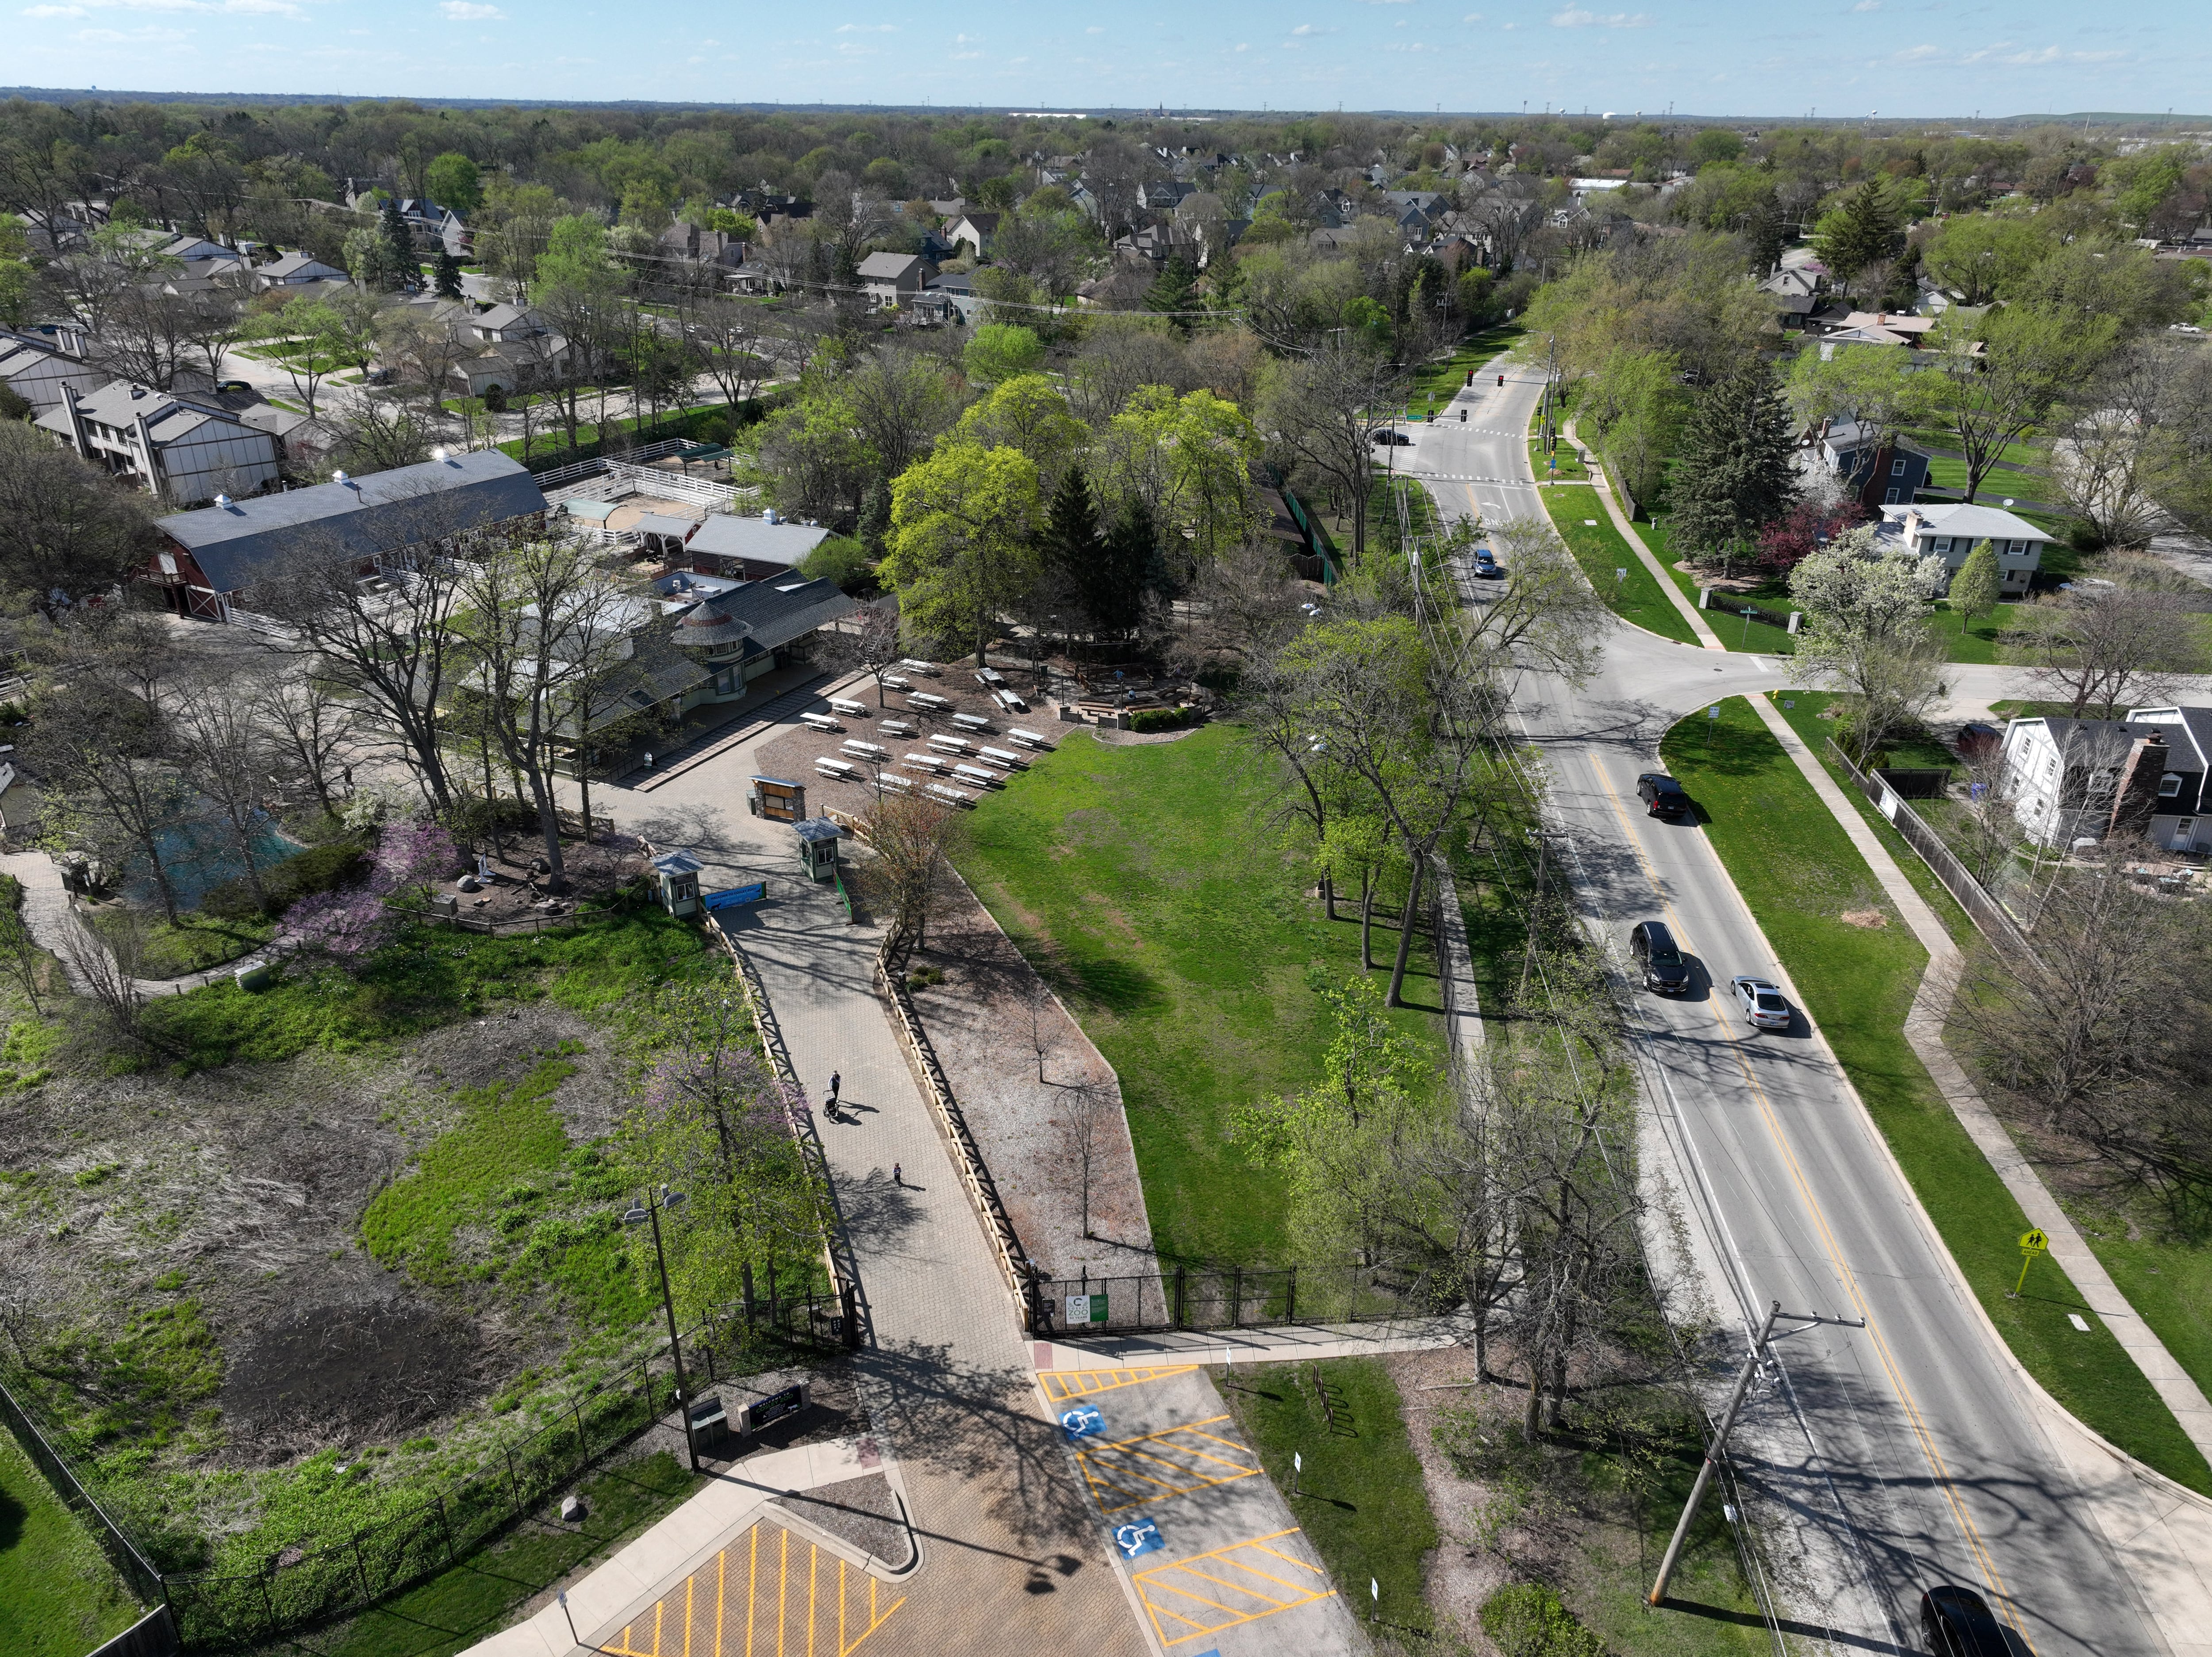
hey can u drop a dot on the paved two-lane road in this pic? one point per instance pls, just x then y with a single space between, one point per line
1908 1453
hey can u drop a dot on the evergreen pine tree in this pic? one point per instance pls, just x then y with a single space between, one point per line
1175 288
1861 231
400 247
875 525
449 275
1129 555
1734 476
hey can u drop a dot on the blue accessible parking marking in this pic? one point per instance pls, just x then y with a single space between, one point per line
1138 1539
1084 1422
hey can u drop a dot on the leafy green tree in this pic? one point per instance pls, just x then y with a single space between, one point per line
1174 289
1734 476
1980 256
1001 350
2029 357
875 518
455 183
1975 588
401 265
1028 413
1862 231
962 547
1872 384
1189 460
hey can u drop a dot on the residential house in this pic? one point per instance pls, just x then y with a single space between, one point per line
1164 196
1952 530
893 280
2179 821
303 443
975 231
215 556
949 298
521 351
2116 780
1879 468
752 549
176 447
37 369
1791 283
687 241
295 269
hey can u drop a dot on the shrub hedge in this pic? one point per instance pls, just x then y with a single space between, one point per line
318 869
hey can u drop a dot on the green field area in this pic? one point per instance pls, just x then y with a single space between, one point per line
1360 1498
1587 527
1433 383
58 1595
1149 887
1800 873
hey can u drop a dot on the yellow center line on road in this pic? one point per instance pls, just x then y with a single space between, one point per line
1972 1535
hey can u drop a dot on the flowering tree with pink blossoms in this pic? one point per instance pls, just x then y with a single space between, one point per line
347 926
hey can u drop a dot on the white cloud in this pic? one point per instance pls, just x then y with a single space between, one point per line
1472 17
53 11
867 28
1095 29
1578 19
1243 45
1919 54
1867 5
467 11
144 37
965 56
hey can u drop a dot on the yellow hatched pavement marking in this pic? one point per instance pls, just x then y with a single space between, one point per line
789 1588
1060 1385
1177 1459
1241 1583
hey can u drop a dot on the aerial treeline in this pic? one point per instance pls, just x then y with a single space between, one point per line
1510 1195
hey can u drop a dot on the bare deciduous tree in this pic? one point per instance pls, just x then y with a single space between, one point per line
2104 647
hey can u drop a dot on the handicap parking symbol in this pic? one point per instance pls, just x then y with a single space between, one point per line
1085 1423
1138 1539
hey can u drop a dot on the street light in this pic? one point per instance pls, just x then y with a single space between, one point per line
648 1211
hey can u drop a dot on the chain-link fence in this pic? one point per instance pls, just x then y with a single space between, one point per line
1229 1297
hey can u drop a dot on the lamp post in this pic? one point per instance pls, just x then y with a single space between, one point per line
648 1211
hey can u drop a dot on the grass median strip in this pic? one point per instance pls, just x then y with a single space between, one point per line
1587 527
1798 871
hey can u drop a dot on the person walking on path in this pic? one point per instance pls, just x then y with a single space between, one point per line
898 1175
833 1080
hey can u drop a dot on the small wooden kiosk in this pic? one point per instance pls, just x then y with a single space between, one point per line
677 874
779 800
817 847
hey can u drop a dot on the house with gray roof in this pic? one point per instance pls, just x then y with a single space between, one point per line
892 280
1950 530
293 270
37 369
214 556
179 448
2117 779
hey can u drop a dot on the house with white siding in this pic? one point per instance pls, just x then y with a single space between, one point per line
37 369
173 446
1952 530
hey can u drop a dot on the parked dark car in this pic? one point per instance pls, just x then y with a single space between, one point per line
1661 795
227 385
1958 1623
1652 945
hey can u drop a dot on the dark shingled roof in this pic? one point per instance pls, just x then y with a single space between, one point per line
776 612
381 512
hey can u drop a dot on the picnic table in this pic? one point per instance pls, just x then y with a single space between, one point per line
820 721
971 721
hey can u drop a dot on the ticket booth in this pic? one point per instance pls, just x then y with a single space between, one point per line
778 799
818 847
677 875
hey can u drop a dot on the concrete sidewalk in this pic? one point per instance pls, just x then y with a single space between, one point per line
2163 1530
1603 484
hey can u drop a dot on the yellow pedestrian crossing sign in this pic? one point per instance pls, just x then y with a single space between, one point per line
2032 1243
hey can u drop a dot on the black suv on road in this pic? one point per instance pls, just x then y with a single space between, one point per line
1652 947
1958 1623
1661 795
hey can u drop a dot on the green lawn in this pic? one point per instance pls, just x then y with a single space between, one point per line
1736 632
1587 527
1147 887
1799 872
1446 375
1363 1503
1565 461
58 1595
190 943
458 1607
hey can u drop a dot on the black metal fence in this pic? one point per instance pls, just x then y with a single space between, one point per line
1915 782
231 1608
1210 1296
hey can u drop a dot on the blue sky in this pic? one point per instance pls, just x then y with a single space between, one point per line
1902 58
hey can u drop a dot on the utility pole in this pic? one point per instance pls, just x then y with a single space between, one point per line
1719 1446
